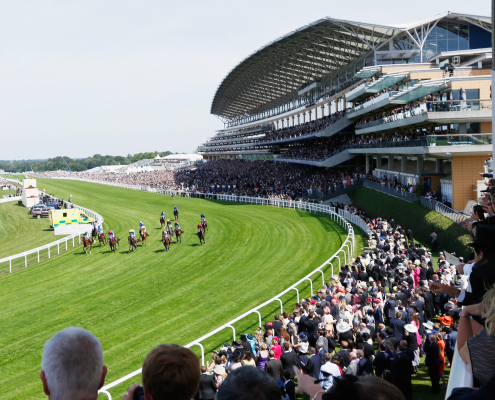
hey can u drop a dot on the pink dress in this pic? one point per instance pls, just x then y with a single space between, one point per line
277 350
418 336
416 276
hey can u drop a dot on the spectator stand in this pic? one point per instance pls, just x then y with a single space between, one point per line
347 249
395 192
56 243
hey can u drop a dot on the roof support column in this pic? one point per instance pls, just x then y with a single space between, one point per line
403 163
439 166
292 120
390 166
322 110
420 165
367 156
309 115
316 113
298 119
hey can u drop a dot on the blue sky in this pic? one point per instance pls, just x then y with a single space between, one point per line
117 77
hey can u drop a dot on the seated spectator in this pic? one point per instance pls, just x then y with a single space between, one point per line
72 365
170 371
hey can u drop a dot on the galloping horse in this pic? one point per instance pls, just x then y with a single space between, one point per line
102 238
166 242
162 222
113 242
201 235
176 214
205 224
170 230
144 236
178 234
88 244
94 233
133 241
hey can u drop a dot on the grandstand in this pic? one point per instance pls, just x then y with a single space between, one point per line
411 103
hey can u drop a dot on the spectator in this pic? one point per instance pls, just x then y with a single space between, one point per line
72 365
248 383
431 361
274 367
207 386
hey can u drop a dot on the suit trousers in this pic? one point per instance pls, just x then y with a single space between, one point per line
434 378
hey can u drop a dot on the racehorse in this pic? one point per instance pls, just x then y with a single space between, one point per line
133 241
201 235
178 234
166 242
144 236
88 244
205 224
102 238
94 233
176 214
113 242
170 230
162 222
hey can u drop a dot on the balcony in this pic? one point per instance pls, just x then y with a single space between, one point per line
371 105
386 81
444 112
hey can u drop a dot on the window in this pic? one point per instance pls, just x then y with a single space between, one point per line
65 215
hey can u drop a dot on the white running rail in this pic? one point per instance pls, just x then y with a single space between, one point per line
347 249
444 210
49 246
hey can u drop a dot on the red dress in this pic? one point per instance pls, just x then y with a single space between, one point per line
441 345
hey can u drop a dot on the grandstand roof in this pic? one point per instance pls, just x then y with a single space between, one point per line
315 52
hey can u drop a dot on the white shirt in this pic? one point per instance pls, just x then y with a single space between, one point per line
333 370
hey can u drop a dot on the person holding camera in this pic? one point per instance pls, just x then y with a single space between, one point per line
169 371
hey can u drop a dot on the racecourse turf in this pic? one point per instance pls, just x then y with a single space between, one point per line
135 301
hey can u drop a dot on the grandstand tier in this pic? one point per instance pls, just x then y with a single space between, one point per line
406 103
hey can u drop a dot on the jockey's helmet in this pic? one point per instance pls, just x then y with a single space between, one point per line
110 232
130 230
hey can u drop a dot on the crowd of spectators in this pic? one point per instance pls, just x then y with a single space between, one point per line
4 183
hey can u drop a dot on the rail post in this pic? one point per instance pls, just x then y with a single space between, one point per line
297 291
259 316
10 265
233 329
38 256
25 260
311 283
202 352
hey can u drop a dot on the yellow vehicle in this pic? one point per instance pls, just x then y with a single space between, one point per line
68 217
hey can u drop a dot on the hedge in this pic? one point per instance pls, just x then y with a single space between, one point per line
421 220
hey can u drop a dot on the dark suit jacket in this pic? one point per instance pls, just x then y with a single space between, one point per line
368 349
365 367
313 366
207 387
288 361
429 304
389 308
410 353
378 317
311 327
393 340
398 326
274 369
402 369
420 305
276 327
381 363
431 359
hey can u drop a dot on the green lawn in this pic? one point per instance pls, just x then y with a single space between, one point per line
19 231
135 301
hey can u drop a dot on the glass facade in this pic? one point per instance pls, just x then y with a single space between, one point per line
446 36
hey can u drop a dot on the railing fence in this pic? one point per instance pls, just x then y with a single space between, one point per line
444 210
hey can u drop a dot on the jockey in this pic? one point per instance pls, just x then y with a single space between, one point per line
169 223
176 209
162 215
100 229
177 225
132 233
110 235
141 224
200 228
87 235
203 217
164 234
144 228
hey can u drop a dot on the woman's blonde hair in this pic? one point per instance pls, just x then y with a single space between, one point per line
389 345
488 310
263 346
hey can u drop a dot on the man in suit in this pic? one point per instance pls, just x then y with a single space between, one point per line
377 315
365 366
313 365
353 368
418 303
288 360
333 308
431 362
402 370
429 305
410 237
390 338
397 324
389 309
207 386
273 367
409 352
381 361
312 329
363 276
277 325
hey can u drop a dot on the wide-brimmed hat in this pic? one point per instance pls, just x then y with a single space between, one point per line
343 326
411 328
446 320
219 370
484 236
428 325
303 336
236 355
348 308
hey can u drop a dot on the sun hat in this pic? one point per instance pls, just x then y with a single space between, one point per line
303 336
411 328
343 326
446 320
219 370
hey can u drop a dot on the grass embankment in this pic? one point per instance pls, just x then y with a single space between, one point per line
132 302
422 220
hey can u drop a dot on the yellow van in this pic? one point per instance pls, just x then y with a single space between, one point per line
68 217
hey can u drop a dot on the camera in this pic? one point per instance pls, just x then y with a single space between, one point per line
138 394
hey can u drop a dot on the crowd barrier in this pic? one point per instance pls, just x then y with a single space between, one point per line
444 210
64 241
399 193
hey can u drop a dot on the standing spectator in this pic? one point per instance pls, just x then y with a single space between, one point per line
263 357
353 368
274 367
289 387
72 365
410 237
207 386
434 241
389 308
402 371
329 371
431 361
248 383
381 361
441 358
288 360
397 324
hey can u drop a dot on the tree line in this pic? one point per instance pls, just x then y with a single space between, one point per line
60 163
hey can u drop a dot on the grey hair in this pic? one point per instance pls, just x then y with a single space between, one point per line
73 364
322 342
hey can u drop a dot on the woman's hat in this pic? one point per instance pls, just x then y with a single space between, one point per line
348 308
484 236
447 321
237 355
219 370
343 326
411 328
303 336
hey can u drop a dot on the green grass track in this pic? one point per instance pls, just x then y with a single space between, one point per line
133 302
